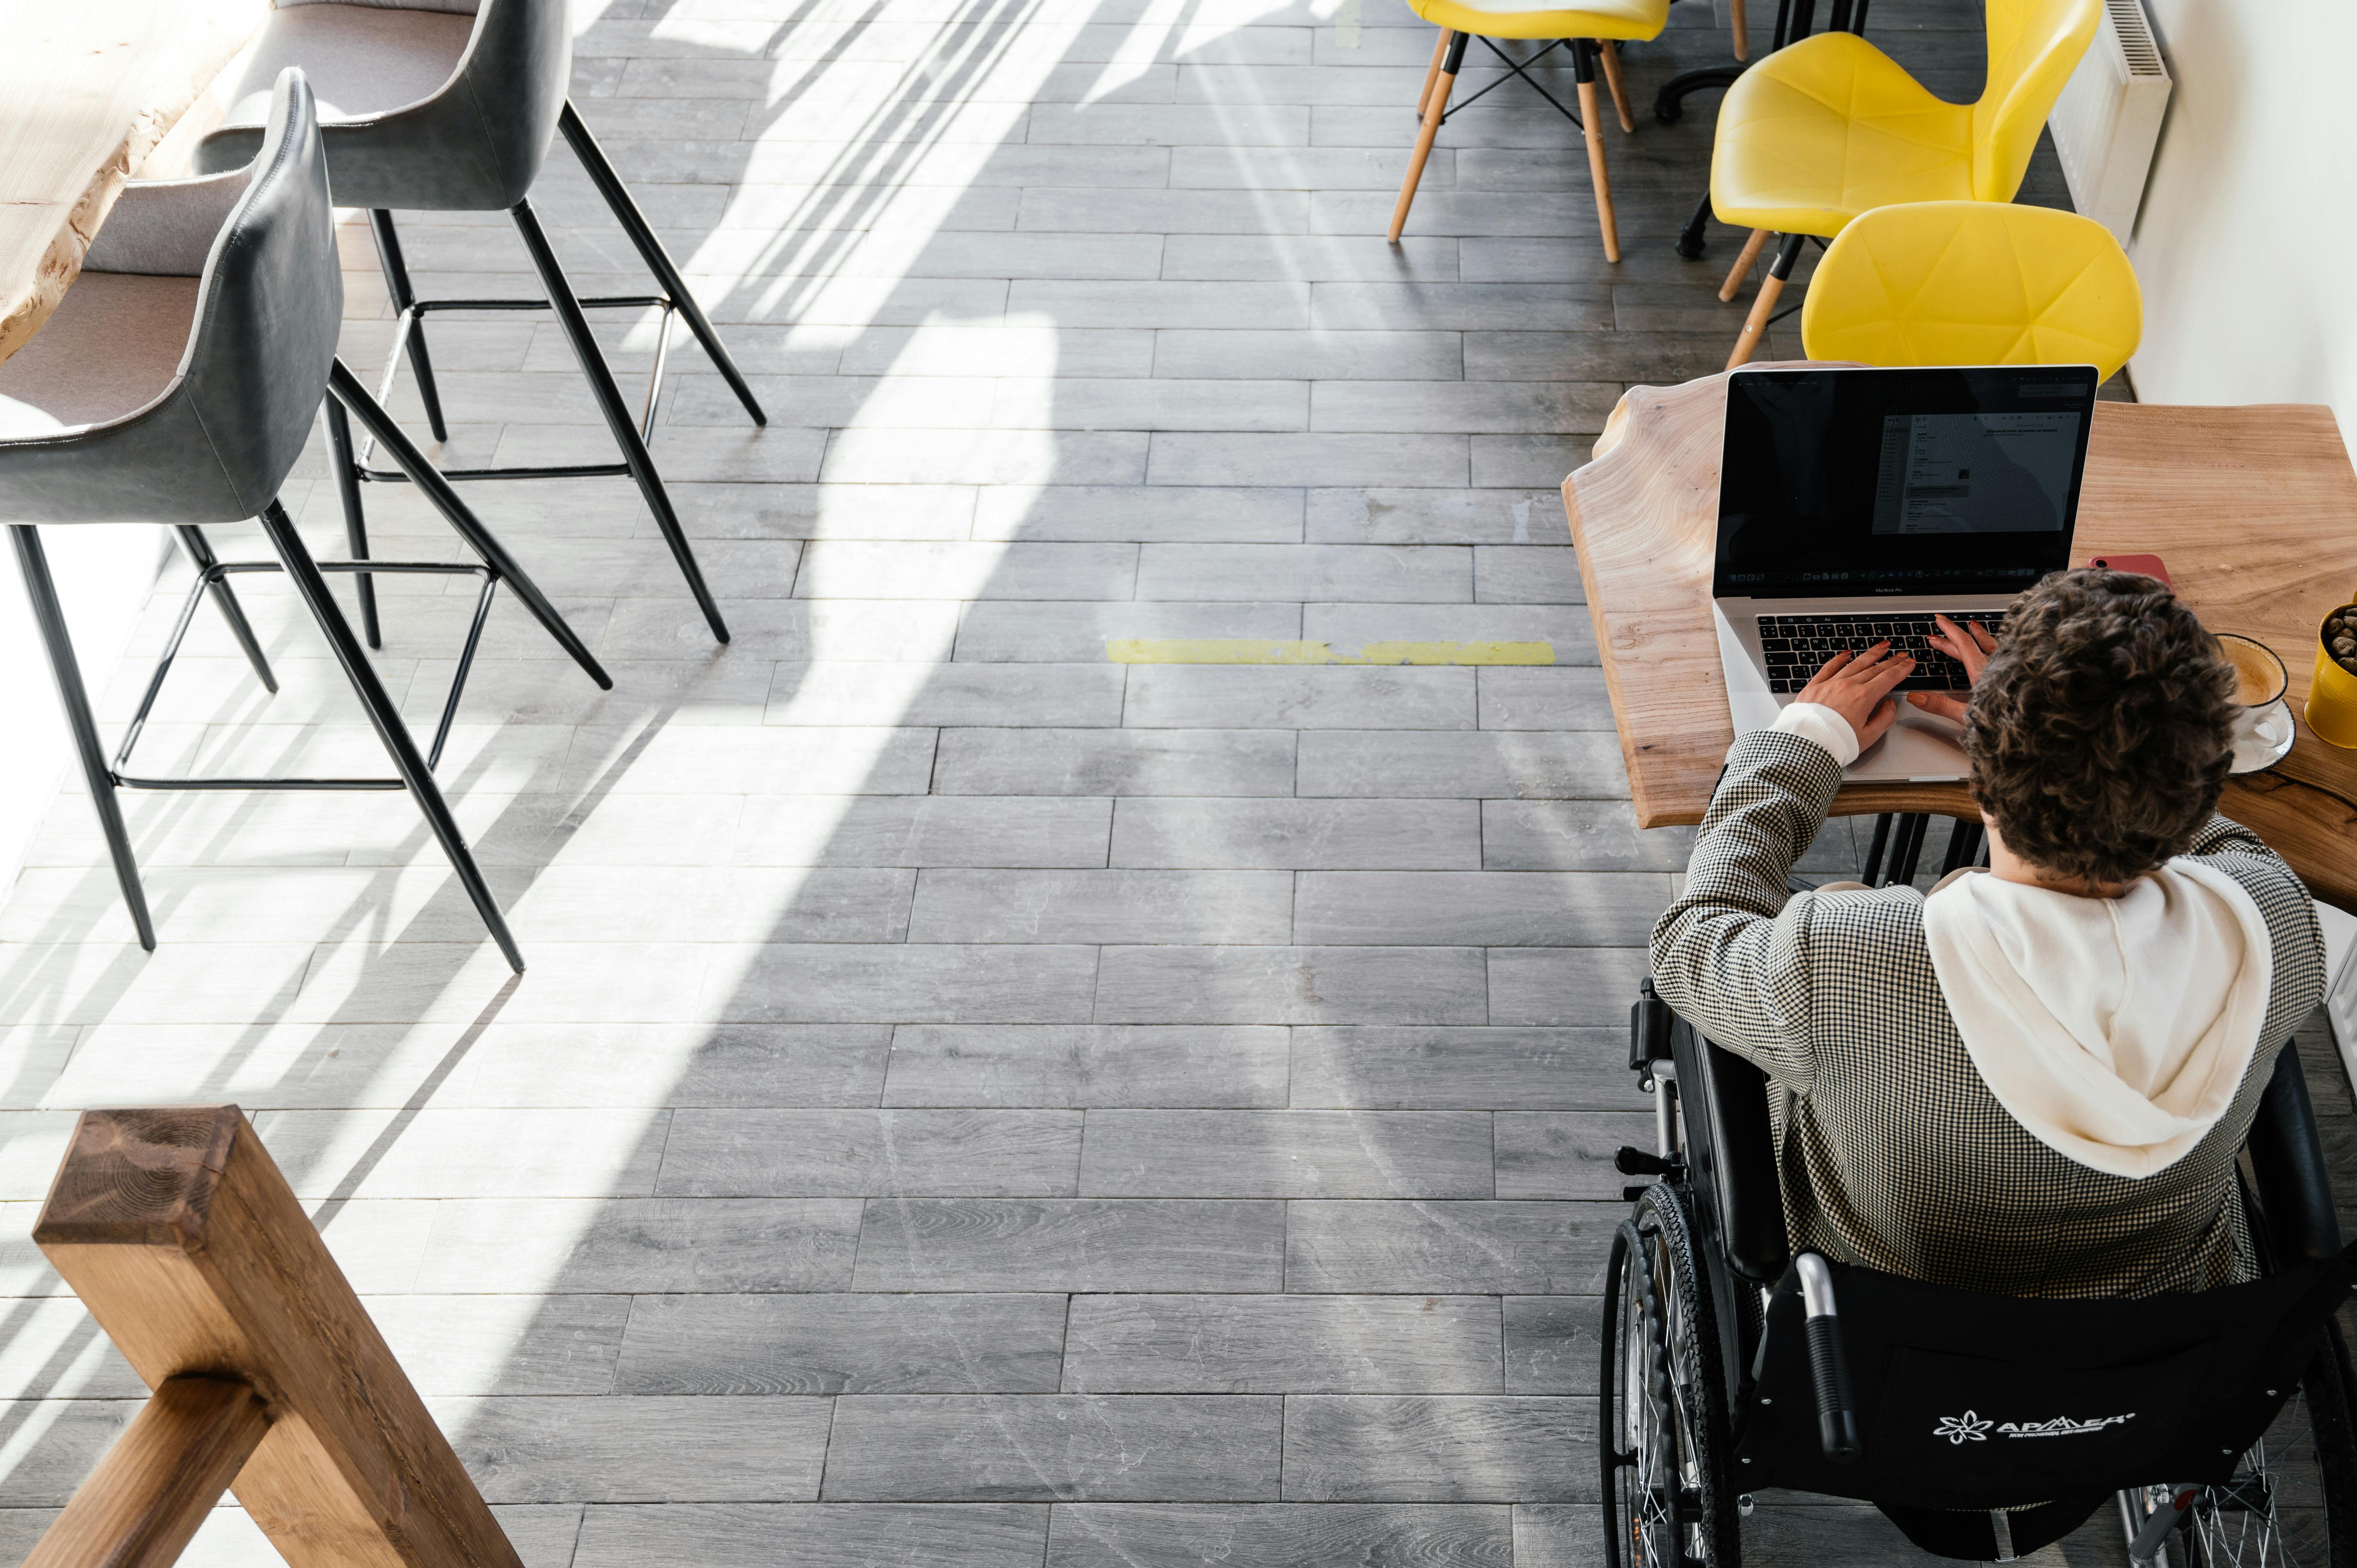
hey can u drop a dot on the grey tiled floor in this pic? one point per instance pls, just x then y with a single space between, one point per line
973 1102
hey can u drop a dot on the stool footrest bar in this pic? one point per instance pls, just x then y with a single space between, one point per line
548 471
607 302
133 781
215 571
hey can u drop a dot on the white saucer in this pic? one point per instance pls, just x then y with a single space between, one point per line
2268 739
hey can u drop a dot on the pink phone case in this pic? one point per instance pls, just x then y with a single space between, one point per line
2150 566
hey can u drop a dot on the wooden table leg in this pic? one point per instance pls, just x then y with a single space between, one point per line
178 1232
155 1486
1741 27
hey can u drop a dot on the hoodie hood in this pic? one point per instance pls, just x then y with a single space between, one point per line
2116 1031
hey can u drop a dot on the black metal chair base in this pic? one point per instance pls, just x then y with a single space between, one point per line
416 772
408 337
631 435
1521 68
1902 834
212 579
1669 103
347 400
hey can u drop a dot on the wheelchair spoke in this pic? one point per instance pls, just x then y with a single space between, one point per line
1652 1493
2275 1511
1670 1503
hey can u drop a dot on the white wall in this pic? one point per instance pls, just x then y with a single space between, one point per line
104 575
2247 240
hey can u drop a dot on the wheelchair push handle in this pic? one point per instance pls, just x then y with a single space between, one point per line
1828 1366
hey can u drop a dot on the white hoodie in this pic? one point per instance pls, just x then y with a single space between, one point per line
2115 1030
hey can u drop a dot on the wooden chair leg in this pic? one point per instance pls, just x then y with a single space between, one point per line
1735 274
1591 119
1432 71
1747 342
1771 288
1741 27
1435 105
1612 79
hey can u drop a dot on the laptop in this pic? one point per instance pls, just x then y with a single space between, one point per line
1855 504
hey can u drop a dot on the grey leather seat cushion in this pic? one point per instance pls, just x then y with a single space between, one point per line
469 6
164 226
361 59
113 347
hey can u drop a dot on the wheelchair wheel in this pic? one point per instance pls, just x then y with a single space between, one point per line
2293 1500
1665 1443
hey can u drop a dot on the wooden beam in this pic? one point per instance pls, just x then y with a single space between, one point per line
154 1487
179 1234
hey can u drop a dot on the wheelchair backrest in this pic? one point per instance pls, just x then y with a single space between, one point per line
1967 1400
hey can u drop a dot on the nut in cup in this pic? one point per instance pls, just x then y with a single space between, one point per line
2331 710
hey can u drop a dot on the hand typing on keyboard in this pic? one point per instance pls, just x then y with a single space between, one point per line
1859 687
1796 646
1969 646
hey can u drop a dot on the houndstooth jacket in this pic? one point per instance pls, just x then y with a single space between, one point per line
1893 1154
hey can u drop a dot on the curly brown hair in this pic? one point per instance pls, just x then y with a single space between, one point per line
2101 732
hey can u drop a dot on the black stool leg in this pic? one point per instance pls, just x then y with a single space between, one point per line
396 281
635 455
1908 850
303 573
1881 841
34 562
224 597
634 223
348 490
344 389
1963 847
1690 238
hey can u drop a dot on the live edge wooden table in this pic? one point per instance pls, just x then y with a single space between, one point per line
90 91
2253 509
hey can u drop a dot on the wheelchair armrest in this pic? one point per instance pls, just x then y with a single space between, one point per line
1732 1152
2295 1185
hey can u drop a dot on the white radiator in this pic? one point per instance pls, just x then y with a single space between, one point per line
2108 117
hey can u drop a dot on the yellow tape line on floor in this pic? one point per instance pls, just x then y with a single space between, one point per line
1249 650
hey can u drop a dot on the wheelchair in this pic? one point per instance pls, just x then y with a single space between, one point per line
2219 1423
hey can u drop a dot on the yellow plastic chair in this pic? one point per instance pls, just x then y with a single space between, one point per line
1973 282
1816 134
1589 30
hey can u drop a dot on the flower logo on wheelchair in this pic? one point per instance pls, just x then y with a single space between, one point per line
1959 1430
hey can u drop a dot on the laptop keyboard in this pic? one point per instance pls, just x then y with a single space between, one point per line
1798 646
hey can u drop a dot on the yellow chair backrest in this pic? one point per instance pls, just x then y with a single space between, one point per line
2033 48
1973 282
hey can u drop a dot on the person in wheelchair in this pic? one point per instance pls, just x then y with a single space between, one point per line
2034 1081
2055 1222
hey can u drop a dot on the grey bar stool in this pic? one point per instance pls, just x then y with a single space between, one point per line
177 383
434 106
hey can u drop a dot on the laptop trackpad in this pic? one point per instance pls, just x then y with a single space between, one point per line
1917 747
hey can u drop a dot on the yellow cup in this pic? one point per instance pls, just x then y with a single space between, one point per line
2331 710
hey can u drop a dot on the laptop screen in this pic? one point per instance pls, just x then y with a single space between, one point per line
1958 480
